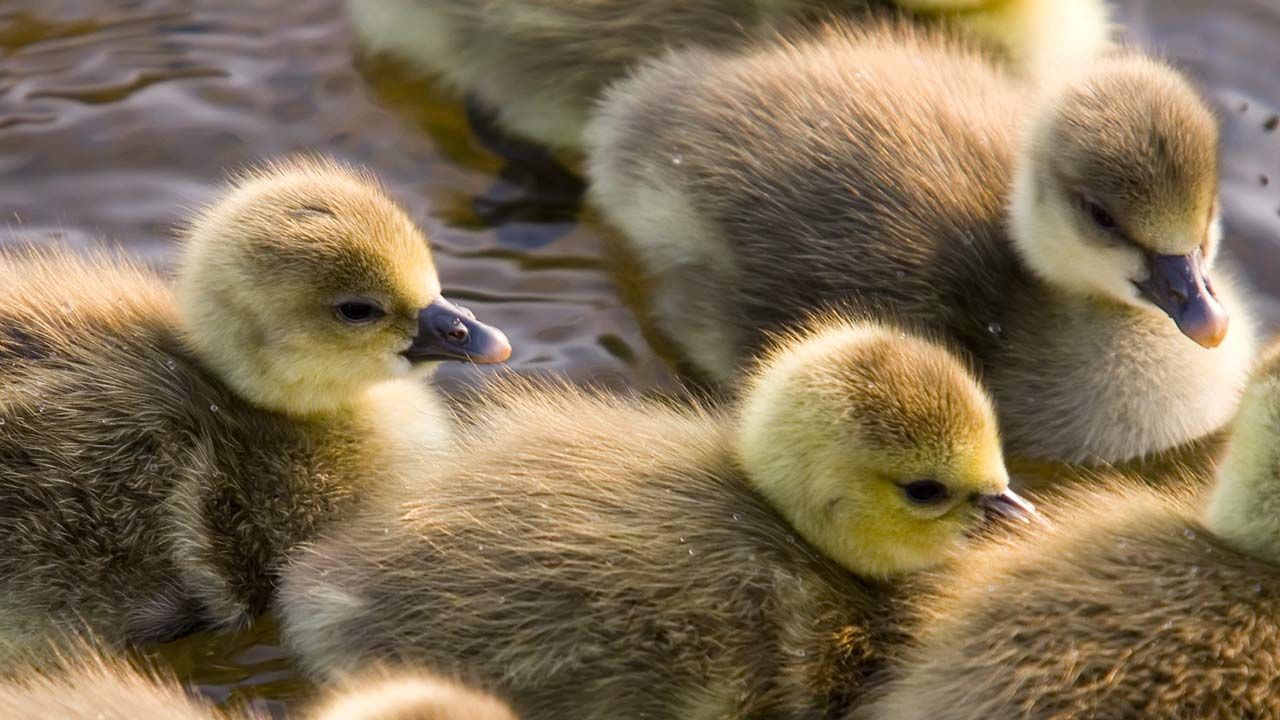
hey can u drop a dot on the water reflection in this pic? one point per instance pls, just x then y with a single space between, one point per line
113 123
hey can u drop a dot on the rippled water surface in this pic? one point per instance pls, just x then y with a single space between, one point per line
116 116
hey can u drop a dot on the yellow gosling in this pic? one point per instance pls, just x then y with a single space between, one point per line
598 556
1139 604
161 451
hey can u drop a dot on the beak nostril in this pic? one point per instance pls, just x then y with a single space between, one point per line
457 334
449 332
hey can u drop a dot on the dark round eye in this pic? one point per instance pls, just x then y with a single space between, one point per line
925 492
1099 214
358 312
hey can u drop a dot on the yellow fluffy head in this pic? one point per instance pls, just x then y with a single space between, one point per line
879 447
304 285
1117 192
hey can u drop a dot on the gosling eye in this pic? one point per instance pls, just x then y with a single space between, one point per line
925 492
359 311
1099 214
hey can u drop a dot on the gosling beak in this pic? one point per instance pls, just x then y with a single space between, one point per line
449 332
1177 284
1008 505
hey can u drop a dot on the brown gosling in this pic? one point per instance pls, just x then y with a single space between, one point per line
543 64
605 557
1138 604
1065 239
161 451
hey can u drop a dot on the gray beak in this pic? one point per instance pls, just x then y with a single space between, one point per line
449 332
1178 285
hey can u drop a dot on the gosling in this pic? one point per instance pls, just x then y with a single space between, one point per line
160 452
1138 604
541 65
604 557
1064 240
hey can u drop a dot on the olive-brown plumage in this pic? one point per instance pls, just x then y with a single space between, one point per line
542 64
603 557
1137 604
1063 236
160 452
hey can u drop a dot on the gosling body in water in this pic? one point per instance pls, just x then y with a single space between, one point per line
160 453
602 557
1137 604
541 65
1064 237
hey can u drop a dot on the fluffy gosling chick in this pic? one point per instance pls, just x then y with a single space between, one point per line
403 695
604 557
1064 240
159 454
1139 604
541 65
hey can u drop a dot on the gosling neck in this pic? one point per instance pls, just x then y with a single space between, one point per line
1244 507
776 458
265 383
261 373
1041 234
1023 219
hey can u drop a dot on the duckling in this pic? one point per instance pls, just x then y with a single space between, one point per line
1063 239
408 695
540 66
160 450
1138 603
600 556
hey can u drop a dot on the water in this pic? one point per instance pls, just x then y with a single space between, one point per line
113 121
110 128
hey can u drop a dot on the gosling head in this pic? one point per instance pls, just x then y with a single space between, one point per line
1116 194
305 285
878 447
